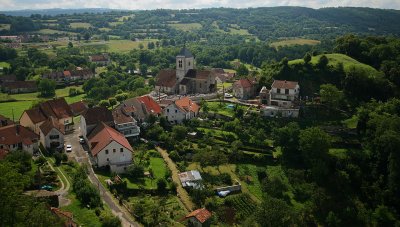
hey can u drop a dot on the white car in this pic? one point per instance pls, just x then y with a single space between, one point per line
227 95
68 148
81 140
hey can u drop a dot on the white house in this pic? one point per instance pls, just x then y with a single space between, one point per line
125 123
51 133
181 109
110 148
283 93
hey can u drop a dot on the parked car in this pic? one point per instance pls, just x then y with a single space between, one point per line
228 96
81 140
68 148
47 188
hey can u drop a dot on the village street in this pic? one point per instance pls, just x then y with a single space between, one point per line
79 153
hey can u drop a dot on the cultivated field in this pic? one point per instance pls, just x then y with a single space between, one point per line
47 31
186 27
80 25
291 42
5 26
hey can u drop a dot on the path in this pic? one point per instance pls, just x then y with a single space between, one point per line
83 158
182 193
63 191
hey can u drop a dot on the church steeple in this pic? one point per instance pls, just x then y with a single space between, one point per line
184 62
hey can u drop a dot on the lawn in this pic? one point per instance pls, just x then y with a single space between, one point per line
80 25
82 215
291 42
224 109
5 26
217 132
186 27
7 108
158 166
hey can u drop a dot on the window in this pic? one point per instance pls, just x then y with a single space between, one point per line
122 149
176 111
287 91
108 159
107 152
189 63
180 63
278 90
167 110
200 85
52 137
113 150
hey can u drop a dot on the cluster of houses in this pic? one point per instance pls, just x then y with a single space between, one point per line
69 75
9 84
14 41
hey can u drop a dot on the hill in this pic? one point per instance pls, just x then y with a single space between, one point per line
348 63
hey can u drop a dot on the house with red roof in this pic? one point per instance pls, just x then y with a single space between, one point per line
125 123
141 108
17 137
245 88
92 117
100 59
110 148
57 108
180 110
51 133
199 218
78 108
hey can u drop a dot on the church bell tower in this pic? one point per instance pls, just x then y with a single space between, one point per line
184 62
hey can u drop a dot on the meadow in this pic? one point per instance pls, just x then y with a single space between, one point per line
291 42
186 27
5 27
80 25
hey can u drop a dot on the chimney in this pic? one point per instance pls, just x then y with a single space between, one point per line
17 129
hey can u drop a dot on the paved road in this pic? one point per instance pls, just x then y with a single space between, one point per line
182 193
80 155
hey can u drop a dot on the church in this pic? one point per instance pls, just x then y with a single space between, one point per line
185 79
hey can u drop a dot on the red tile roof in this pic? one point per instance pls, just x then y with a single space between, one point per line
284 84
151 105
245 83
166 78
67 73
100 57
98 114
187 105
35 115
120 117
49 124
202 215
103 135
78 107
57 108
14 134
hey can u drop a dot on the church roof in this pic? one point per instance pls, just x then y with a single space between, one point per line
185 52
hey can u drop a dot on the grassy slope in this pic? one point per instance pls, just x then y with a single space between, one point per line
347 61
4 64
186 27
5 26
291 42
80 25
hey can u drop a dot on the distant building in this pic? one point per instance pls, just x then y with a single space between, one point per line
17 87
199 218
180 110
191 179
69 75
57 108
94 116
245 88
185 79
110 148
17 137
4 121
100 59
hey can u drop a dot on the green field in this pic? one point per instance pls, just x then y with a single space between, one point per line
348 63
186 27
4 64
114 24
25 101
5 27
291 42
47 31
80 25
126 45
121 19
105 29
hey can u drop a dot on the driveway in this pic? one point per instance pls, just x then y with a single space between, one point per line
79 153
